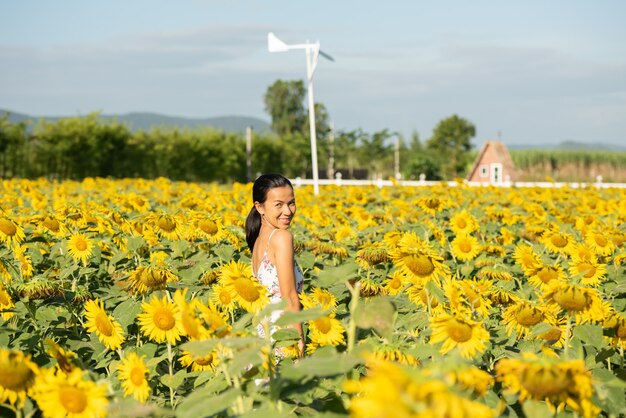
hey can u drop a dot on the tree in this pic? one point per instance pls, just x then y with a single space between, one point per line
284 103
451 142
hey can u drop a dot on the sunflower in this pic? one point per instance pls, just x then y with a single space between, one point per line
457 331
422 297
465 247
187 317
168 226
50 224
207 362
392 390
60 395
146 278
326 330
17 376
494 273
108 330
557 242
394 283
6 304
210 228
558 382
615 323
433 205
468 296
244 288
394 353
590 273
215 319
25 262
132 373
371 254
544 275
369 287
472 378
158 321
583 252
527 259
418 260
506 236
221 297
66 360
600 242
522 315
344 233
318 297
463 223
10 232
80 247
584 303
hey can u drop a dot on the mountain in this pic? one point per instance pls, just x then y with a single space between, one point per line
145 121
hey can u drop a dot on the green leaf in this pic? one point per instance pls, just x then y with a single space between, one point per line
203 403
178 248
244 360
286 334
339 274
590 334
305 315
201 348
174 381
320 366
135 243
377 313
224 252
540 329
267 311
536 409
306 260
126 312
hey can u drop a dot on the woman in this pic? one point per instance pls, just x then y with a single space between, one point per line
271 243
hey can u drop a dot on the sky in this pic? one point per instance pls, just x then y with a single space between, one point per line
526 72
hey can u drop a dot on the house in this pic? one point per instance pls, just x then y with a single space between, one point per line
493 165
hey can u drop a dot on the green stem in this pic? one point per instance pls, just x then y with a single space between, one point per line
568 335
354 291
170 364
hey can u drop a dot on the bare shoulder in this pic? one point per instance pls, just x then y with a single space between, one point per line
282 239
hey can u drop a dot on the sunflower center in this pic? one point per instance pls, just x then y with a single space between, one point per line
209 226
588 269
620 331
465 246
461 223
103 323
420 265
558 240
225 298
137 376
432 203
15 376
553 335
204 361
528 316
547 274
7 227
395 283
73 399
166 223
80 244
600 240
164 319
544 382
153 278
246 289
571 299
459 331
323 325
52 224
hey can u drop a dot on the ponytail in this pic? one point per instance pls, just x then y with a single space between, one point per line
253 227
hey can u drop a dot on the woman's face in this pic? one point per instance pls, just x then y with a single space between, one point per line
279 207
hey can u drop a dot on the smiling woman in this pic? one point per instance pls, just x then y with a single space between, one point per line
271 244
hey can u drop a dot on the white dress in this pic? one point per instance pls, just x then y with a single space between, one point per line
268 277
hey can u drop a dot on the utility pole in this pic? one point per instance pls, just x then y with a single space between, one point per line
331 153
249 153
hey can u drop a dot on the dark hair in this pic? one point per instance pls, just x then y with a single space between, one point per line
261 186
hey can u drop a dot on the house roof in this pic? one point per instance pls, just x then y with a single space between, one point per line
501 151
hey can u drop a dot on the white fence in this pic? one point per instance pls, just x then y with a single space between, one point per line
416 183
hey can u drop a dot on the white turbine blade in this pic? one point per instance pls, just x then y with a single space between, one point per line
274 44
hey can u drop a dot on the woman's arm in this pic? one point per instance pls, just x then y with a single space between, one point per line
282 247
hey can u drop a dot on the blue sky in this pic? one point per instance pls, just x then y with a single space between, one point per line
529 72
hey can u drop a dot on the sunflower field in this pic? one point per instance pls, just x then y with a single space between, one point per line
135 298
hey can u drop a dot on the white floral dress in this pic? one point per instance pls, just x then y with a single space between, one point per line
268 277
